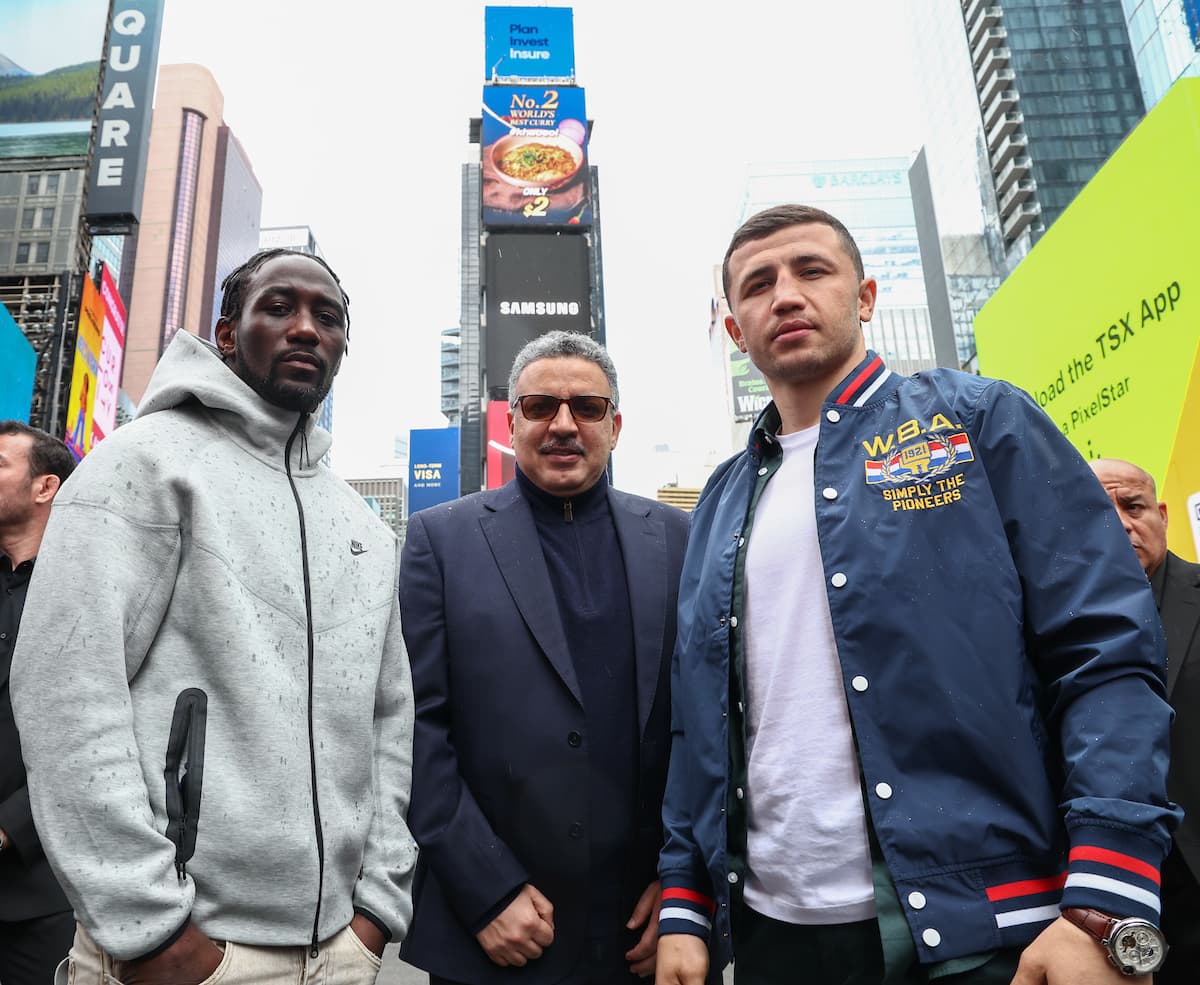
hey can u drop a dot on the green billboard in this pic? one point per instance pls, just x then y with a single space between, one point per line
1100 322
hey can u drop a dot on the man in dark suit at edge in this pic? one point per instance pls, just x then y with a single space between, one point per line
540 620
1176 585
36 922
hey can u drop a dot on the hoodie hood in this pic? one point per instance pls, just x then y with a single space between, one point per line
192 371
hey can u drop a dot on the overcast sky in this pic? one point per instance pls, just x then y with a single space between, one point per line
354 116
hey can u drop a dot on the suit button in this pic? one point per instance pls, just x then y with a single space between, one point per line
576 830
574 740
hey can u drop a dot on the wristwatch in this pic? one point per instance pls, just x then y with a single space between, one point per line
1134 946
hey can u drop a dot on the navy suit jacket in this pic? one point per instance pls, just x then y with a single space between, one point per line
500 748
1180 610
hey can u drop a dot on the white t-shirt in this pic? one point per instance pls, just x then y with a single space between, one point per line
808 856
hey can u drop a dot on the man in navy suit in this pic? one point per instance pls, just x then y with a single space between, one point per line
540 620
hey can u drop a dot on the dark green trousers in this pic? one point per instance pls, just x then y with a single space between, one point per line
770 952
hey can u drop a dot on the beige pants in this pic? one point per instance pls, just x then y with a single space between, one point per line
343 960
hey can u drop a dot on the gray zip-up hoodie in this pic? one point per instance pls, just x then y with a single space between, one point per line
172 629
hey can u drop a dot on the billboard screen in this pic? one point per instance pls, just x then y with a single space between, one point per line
528 42
747 385
501 459
18 360
1100 323
432 467
49 69
114 197
535 169
112 353
88 343
534 283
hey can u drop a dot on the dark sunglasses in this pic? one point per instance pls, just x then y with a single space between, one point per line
543 407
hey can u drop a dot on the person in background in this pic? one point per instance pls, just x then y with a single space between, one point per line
36 923
1176 586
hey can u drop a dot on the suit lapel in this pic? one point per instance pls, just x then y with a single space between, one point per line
1180 597
643 546
513 538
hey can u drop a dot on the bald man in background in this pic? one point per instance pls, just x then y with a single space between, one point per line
1176 585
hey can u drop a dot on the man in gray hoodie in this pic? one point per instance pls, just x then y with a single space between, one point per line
214 606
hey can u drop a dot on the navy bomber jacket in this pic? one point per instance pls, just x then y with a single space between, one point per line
1001 654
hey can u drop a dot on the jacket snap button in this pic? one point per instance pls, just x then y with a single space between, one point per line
832 416
733 877
883 791
574 739
931 937
733 621
916 901
576 830
739 793
859 683
829 492
838 580
763 470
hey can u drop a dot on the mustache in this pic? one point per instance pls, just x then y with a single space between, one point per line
554 447
306 354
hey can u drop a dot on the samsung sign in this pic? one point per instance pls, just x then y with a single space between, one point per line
114 196
529 43
534 282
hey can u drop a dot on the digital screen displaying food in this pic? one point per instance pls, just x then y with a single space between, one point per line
540 163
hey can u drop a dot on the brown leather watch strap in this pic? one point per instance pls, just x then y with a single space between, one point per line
1095 922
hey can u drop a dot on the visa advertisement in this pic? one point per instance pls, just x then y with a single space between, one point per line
1100 323
88 342
18 361
432 467
49 73
528 43
535 170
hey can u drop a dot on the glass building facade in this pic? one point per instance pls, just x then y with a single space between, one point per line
1165 35
1058 92
872 197
236 213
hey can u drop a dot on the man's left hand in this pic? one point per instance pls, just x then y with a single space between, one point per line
641 955
370 935
1063 954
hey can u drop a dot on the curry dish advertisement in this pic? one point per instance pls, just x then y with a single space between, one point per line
535 156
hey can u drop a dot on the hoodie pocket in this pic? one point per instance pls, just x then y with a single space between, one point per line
185 773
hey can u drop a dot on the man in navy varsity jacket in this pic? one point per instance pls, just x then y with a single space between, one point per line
918 720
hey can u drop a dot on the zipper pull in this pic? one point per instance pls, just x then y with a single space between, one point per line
314 951
567 512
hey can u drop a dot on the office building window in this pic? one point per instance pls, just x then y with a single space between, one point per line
43 253
52 184
27 218
22 254
47 219
32 183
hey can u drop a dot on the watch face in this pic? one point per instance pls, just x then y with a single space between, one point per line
1137 947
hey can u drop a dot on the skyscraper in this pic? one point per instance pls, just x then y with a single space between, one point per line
1057 92
1165 35
200 211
